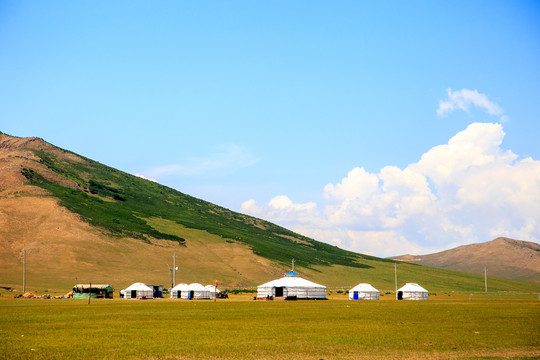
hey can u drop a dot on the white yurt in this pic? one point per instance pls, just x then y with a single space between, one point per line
197 291
179 290
291 287
213 290
412 291
363 291
138 291
193 291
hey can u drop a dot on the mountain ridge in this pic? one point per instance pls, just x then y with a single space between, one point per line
502 256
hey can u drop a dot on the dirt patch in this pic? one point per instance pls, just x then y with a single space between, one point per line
295 239
62 249
402 355
15 157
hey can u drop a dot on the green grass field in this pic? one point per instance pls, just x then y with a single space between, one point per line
486 327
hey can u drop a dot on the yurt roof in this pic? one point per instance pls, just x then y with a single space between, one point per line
412 287
196 286
182 286
139 286
93 286
364 287
292 281
292 273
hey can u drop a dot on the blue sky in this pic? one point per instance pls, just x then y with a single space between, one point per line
271 107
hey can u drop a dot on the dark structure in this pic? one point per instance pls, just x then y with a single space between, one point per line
96 291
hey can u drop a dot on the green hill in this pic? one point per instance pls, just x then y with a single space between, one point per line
78 218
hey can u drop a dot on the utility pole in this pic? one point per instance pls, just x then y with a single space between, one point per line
174 268
293 264
173 271
24 271
395 274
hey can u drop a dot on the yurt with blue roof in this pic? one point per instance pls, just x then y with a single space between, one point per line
291 287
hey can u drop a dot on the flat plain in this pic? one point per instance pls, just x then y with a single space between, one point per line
444 327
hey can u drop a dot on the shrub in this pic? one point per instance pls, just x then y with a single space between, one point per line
119 197
240 291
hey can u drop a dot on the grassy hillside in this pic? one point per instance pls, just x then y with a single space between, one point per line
121 203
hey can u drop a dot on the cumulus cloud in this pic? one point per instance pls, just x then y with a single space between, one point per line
465 191
464 99
281 209
225 159
144 177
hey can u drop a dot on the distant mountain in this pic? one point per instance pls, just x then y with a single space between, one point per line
83 221
503 257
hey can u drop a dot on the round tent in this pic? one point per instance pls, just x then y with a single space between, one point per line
138 291
291 287
363 292
412 291
193 291
179 290
196 292
213 290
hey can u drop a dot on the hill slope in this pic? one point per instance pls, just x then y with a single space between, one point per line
81 220
503 257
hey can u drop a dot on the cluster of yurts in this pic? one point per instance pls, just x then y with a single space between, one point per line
289 287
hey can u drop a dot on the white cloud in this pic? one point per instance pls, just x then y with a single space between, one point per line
359 184
389 241
465 191
463 100
282 202
250 207
226 159
144 177
281 209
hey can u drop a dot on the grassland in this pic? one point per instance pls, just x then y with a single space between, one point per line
488 327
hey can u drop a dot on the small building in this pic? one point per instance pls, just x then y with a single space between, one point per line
96 291
138 291
291 287
196 291
412 291
363 291
158 290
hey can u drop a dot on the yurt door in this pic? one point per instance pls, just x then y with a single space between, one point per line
356 295
400 295
279 291
179 294
133 294
191 295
